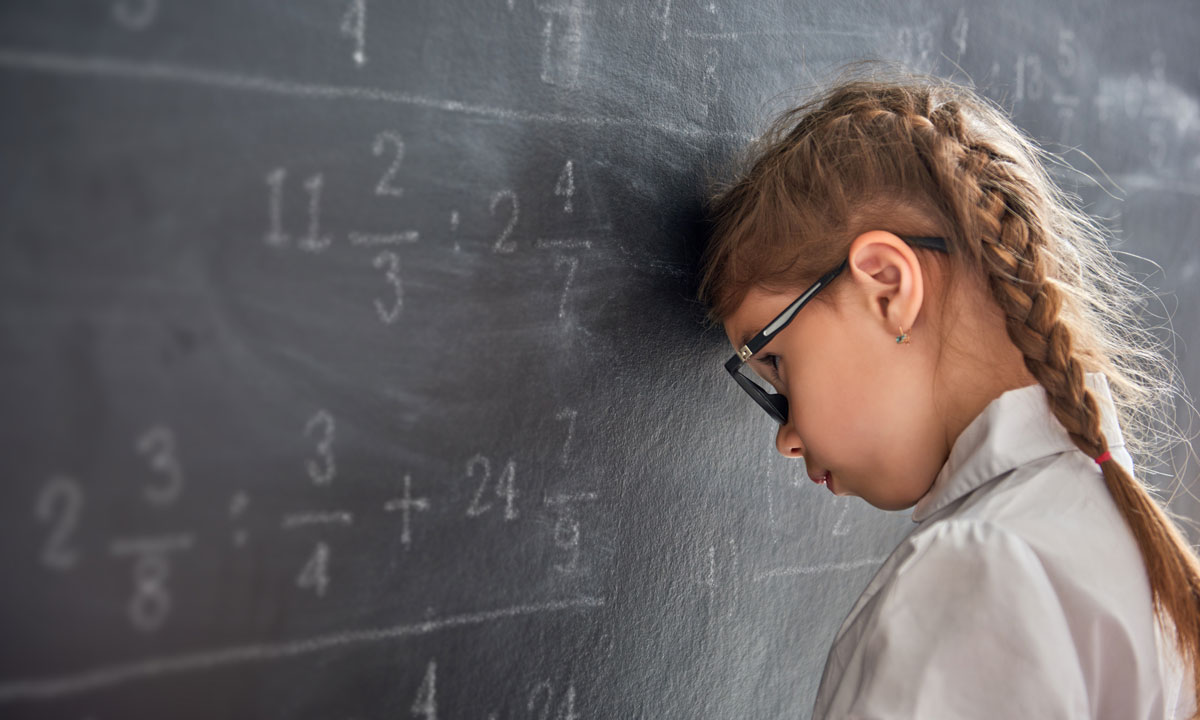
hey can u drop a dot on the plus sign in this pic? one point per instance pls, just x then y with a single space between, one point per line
405 505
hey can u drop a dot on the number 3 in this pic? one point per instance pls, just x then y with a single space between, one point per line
392 261
322 474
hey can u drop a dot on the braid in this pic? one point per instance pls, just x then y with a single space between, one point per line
1010 247
1031 303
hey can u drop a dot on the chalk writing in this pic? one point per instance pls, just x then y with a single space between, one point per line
425 704
541 702
135 14
60 503
151 602
314 240
391 261
406 504
503 244
569 415
505 487
565 186
315 573
354 26
322 472
158 445
382 140
572 264
958 34
566 527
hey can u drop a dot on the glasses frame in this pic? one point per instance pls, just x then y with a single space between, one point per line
775 404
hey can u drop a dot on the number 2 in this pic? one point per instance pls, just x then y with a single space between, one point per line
385 186
63 498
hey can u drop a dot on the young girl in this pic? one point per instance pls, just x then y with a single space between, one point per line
939 326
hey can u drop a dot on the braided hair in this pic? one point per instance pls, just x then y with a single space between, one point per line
923 156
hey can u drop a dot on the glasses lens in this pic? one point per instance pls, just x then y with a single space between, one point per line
771 401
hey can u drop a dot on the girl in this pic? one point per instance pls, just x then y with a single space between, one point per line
941 327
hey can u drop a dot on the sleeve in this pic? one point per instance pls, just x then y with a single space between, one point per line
970 627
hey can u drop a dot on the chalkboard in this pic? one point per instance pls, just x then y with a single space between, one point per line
351 366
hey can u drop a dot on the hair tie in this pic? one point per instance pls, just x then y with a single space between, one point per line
1106 455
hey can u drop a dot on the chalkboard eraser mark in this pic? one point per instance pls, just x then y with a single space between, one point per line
562 48
454 228
237 506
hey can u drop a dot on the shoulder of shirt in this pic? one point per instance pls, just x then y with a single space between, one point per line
945 562
1022 548
960 531
1041 502
977 538
963 565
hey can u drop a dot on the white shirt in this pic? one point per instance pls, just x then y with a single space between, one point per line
1021 594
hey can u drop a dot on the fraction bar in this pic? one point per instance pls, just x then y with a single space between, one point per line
408 236
162 543
335 517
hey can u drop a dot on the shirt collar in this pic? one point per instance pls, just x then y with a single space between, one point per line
1016 428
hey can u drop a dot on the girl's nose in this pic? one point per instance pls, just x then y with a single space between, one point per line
787 442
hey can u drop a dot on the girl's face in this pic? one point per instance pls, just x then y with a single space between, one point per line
860 405
879 416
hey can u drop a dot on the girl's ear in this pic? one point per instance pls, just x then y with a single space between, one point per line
887 278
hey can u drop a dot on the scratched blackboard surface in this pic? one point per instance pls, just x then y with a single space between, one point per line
349 362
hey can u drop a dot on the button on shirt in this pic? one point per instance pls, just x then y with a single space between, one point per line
1021 593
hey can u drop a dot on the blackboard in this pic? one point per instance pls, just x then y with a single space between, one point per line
351 366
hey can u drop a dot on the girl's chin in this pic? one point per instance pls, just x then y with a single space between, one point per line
832 484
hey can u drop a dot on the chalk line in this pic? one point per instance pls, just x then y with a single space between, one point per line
49 688
812 569
95 65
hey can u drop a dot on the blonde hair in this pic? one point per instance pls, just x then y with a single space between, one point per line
919 155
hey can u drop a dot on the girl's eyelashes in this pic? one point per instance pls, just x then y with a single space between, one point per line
772 361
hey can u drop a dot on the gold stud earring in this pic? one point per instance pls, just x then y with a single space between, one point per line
902 338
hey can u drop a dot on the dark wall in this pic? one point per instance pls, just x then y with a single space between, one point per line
350 366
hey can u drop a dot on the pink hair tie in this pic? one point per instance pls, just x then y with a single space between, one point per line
1106 455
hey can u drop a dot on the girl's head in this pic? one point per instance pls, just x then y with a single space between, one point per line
880 416
1028 292
1019 298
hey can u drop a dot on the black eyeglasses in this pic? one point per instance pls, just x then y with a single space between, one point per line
775 404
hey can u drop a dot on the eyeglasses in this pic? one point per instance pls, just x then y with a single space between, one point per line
775 404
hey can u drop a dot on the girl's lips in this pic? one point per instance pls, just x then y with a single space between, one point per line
820 479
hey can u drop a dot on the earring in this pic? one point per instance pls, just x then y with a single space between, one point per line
902 338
